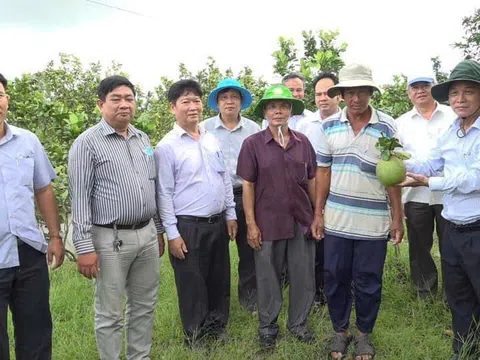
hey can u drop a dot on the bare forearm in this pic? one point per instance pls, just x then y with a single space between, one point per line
248 199
395 196
47 204
322 188
311 190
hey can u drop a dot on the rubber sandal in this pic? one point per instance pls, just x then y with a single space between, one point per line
364 346
340 345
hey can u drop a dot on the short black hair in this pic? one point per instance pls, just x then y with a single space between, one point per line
3 81
293 76
183 87
325 75
110 83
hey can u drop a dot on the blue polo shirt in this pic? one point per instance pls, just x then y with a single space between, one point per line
24 168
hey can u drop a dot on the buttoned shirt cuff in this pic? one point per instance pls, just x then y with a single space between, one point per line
158 225
172 232
436 183
84 246
231 214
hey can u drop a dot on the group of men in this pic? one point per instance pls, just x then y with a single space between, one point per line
300 198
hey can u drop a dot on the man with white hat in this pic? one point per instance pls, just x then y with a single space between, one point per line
352 211
419 130
453 167
230 128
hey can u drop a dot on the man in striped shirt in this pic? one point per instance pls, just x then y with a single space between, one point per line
352 210
112 186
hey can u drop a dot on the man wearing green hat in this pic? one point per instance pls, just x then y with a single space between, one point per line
278 168
352 211
457 154
230 128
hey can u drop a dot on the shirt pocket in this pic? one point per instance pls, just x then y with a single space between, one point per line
26 167
216 161
299 171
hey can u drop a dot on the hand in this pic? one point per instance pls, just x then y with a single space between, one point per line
57 250
161 245
396 231
232 229
414 180
318 227
254 237
88 265
177 248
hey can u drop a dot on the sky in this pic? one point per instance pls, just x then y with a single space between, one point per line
390 37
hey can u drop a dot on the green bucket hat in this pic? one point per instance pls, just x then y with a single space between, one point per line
467 70
279 92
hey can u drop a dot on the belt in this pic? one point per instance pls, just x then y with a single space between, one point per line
136 226
475 226
238 191
210 220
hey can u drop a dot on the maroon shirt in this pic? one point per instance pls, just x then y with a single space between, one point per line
281 177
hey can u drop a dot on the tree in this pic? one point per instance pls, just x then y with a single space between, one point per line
470 44
321 52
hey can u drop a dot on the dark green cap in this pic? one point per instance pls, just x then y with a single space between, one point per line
467 70
279 92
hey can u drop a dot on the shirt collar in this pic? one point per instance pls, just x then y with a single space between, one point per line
219 123
318 115
373 119
109 130
415 111
10 132
456 123
181 131
269 136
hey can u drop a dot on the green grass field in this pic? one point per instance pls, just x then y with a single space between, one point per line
407 328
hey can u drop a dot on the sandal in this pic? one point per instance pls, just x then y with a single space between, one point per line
363 346
340 345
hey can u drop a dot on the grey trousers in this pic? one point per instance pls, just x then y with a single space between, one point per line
132 270
299 253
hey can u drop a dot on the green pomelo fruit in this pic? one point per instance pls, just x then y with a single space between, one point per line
391 172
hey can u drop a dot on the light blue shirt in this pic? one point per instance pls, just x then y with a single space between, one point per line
231 141
24 168
192 178
459 159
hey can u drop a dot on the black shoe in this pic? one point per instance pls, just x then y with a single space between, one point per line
268 341
306 337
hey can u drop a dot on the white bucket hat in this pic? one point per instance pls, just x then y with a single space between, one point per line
353 75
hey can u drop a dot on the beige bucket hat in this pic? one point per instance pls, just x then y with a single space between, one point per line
353 75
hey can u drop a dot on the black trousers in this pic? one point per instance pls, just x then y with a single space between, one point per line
247 282
422 220
203 277
461 264
25 289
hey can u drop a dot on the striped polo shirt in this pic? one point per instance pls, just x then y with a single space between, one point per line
356 206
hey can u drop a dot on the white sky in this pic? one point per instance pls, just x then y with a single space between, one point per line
392 37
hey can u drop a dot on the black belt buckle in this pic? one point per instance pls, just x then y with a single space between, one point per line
213 219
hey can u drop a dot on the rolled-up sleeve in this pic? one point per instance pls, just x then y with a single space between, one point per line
247 162
164 160
81 182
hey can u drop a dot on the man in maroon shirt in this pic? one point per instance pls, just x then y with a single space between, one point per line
278 168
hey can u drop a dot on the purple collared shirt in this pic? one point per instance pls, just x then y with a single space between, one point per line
24 168
281 182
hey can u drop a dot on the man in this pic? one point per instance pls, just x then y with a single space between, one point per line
195 198
296 84
25 174
327 106
352 211
278 168
230 128
112 187
457 155
419 130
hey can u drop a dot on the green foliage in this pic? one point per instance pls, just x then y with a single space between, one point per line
386 146
394 100
437 70
321 52
470 44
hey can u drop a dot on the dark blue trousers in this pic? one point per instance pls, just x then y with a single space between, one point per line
361 261
25 290
461 265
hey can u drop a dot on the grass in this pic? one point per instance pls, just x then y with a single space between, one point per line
406 328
